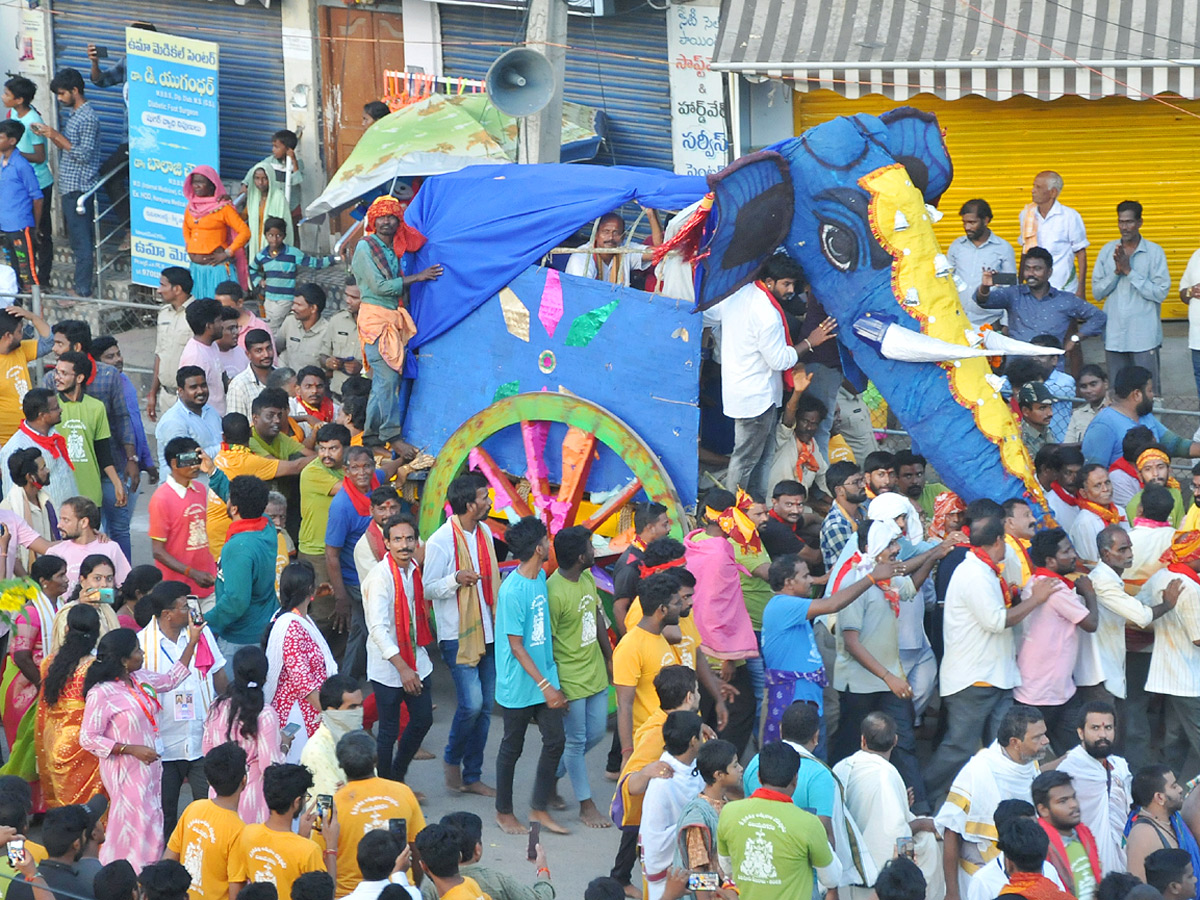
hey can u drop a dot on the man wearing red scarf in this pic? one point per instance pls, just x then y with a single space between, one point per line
1175 660
42 413
1025 846
397 619
770 847
1073 851
1047 656
1096 512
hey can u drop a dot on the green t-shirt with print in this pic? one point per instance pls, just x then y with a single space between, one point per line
574 619
1081 868
83 423
774 846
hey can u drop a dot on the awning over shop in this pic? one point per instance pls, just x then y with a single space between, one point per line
952 48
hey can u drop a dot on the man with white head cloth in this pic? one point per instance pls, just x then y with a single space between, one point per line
868 674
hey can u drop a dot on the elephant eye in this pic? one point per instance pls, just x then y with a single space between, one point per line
839 245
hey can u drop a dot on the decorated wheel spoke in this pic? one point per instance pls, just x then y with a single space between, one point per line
589 427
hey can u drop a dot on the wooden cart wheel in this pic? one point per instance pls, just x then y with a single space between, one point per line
588 425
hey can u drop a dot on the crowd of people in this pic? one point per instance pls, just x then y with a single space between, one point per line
843 678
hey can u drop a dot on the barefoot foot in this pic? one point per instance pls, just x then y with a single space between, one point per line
592 817
478 787
548 823
453 777
509 825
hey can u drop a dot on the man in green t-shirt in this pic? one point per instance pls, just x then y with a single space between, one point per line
584 660
268 413
768 845
1073 851
84 425
318 483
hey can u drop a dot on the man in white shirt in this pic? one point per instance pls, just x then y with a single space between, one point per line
979 668
754 354
454 580
1096 511
1004 770
1102 783
1189 290
369 550
341 702
611 267
987 882
876 796
397 662
184 709
1059 229
666 797
1100 667
1175 660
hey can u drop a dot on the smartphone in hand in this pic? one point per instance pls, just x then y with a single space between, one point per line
535 833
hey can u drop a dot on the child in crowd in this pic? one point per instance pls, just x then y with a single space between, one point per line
275 270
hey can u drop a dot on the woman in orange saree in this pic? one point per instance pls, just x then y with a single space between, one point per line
68 773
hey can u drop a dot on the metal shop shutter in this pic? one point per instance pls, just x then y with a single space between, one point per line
634 92
251 64
1106 150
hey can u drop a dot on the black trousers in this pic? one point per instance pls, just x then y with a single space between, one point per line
516 721
117 187
175 773
740 724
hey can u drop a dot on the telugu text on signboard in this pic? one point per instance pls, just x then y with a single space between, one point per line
173 127
699 140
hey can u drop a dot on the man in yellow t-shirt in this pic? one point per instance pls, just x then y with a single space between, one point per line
366 803
236 458
439 852
15 356
642 653
207 837
272 852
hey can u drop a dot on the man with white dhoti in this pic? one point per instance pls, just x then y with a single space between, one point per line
876 795
1102 781
1002 771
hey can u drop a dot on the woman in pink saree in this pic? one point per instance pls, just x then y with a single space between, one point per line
120 726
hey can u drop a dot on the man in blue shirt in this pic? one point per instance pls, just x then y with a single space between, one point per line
191 416
815 784
20 204
1035 307
527 688
1132 405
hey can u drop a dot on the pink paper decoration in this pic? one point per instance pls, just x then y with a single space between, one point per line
551 310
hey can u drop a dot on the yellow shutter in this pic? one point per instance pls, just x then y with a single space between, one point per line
1106 150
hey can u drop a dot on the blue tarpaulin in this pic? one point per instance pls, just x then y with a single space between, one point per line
487 224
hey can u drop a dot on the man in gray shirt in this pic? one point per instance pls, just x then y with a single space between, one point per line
1131 278
980 248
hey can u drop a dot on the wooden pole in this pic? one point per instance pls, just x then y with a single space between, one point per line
540 136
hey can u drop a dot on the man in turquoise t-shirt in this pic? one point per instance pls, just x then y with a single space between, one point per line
815 785
18 97
768 845
584 659
526 676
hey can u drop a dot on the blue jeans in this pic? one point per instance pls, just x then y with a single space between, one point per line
586 725
229 649
115 519
388 400
394 759
1196 369
81 236
476 689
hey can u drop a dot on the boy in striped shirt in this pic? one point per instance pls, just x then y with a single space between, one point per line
276 268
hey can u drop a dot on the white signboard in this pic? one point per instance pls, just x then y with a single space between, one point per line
699 136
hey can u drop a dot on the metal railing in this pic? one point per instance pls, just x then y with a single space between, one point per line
99 239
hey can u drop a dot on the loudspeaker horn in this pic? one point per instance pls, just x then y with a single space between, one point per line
520 82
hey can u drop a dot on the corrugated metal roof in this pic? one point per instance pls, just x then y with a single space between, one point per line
952 48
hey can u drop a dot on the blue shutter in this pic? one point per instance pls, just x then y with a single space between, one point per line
633 92
251 64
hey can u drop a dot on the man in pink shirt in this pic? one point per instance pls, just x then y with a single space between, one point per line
179 521
204 318
78 519
1048 651
230 295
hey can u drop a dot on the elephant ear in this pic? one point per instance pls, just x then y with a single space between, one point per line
915 140
751 216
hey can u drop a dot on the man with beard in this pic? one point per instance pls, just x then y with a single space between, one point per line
650 522
1101 783
1154 467
1064 504
1133 404
190 417
788 529
1019 525
1035 306
1155 822
1096 511
879 473
1072 849
978 249
797 455
910 481
849 492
